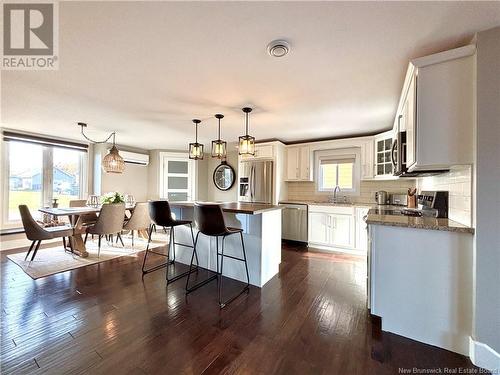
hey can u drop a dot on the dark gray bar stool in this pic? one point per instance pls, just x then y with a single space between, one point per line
161 215
210 222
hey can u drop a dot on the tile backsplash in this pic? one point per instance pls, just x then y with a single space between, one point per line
458 182
306 191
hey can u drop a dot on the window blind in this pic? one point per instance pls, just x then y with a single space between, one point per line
9 136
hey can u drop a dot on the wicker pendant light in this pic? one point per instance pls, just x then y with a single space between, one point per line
112 162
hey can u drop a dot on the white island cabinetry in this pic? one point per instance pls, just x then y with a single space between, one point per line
261 226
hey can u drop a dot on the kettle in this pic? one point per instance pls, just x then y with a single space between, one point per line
381 197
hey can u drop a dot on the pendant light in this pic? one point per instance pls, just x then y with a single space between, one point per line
196 149
219 147
112 162
246 142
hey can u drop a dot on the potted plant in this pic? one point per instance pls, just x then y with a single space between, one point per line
112 197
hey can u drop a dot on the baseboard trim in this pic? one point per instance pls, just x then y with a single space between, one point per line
483 356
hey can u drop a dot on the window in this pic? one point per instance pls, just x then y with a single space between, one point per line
338 167
177 177
66 175
25 178
38 172
334 173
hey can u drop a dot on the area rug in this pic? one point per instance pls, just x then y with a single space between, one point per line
52 260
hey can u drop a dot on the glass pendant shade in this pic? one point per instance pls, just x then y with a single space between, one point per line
219 147
113 162
196 149
246 143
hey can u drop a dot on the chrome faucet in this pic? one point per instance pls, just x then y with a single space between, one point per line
335 192
333 198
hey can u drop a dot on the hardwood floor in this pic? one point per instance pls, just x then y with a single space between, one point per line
104 318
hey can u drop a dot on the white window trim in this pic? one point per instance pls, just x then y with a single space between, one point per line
341 153
192 175
47 181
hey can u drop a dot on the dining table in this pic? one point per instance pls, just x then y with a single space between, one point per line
75 216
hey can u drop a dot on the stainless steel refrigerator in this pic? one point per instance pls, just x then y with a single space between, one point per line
256 182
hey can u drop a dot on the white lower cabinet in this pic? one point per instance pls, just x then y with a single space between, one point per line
332 227
318 228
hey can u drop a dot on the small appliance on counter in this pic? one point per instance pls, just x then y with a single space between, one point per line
430 204
381 197
398 199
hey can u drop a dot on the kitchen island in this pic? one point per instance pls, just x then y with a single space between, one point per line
261 224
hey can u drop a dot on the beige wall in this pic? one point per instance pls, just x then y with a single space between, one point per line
306 191
214 194
134 179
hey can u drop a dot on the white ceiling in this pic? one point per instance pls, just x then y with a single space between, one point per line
146 69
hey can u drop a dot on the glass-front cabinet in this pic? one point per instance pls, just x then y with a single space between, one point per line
383 147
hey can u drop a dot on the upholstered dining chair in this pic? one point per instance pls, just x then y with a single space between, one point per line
109 222
139 219
37 234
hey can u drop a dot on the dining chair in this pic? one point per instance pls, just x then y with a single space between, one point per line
109 222
37 234
138 220
210 222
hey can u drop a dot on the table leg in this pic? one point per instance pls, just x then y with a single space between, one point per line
77 239
143 233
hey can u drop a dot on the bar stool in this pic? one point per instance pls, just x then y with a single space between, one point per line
161 215
210 222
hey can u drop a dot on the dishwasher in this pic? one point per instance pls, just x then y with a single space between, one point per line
294 222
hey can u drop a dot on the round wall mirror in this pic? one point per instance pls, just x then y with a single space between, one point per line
224 176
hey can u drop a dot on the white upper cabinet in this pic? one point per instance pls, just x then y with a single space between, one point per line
437 110
299 163
382 154
367 169
305 161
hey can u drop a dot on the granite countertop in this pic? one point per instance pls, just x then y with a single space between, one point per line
235 207
417 222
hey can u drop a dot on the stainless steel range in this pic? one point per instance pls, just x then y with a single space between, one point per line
430 204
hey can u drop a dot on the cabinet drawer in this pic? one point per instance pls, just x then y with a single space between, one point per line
332 209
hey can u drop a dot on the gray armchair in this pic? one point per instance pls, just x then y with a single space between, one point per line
109 222
37 234
139 220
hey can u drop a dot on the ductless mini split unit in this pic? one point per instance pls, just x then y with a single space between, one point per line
135 158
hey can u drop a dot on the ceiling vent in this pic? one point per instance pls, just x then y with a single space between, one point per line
278 48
